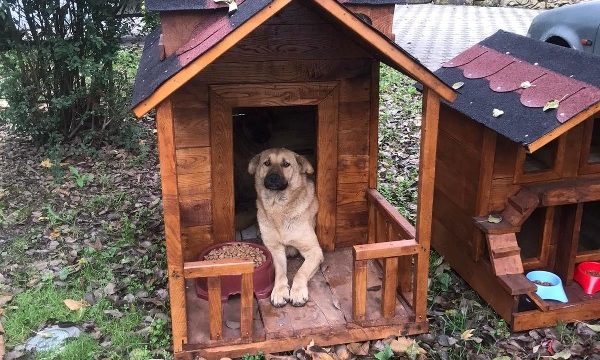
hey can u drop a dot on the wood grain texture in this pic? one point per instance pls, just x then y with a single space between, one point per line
383 250
246 307
221 137
567 242
327 155
429 132
359 289
504 254
381 16
216 268
195 239
374 124
403 228
389 286
517 284
168 172
215 310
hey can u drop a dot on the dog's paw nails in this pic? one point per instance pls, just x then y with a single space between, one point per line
299 295
280 296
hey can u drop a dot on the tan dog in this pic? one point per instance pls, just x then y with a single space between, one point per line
286 211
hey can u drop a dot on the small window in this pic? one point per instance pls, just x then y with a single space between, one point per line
531 236
589 234
541 160
594 154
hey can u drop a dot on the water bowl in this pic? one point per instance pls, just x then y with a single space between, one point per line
587 274
264 277
549 285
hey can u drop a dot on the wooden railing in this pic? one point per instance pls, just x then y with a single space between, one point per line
212 271
392 240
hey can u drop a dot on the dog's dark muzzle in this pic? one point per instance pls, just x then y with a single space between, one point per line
275 181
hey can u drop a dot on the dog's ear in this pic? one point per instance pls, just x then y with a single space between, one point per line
253 164
305 166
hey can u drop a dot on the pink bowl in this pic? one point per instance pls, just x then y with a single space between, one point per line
589 283
264 277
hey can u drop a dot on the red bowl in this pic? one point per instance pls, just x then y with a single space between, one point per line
589 283
264 276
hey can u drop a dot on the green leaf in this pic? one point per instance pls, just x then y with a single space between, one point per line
457 85
385 354
553 104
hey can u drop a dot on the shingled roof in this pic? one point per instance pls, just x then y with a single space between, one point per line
519 76
176 5
157 79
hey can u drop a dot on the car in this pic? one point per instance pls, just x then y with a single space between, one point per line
576 26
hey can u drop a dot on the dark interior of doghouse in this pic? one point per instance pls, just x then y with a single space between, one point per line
531 235
542 159
594 156
259 128
589 235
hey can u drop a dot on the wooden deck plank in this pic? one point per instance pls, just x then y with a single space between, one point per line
319 313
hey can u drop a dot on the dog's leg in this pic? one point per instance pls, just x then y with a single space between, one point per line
281 290
313 257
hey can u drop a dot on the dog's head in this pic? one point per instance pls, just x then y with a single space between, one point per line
276 169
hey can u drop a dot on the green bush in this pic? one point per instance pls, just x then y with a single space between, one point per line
63 69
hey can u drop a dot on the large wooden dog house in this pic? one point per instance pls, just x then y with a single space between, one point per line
536 166
315 62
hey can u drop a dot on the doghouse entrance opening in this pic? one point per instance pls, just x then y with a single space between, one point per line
259 128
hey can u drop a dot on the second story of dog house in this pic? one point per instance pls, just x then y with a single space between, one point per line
522 140
301 74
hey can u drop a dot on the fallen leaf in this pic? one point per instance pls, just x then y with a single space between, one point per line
497 113
75 305
110 288
46 163
342 353
553 104
494 219
525 85
55 234
360 349
399 346
502 358
114 313
385 354
467 334
231 3
336 304
595 328
565 354
5 298
374 288
232 324
458 85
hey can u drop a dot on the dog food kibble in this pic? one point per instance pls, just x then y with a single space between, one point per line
543 283
593 273
241 251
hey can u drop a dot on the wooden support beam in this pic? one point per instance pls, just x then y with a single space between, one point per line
172 218
390 284
215 310
382 250
359 290
247 306
211 268
568 241
429 134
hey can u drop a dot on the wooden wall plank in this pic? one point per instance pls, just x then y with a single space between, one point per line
373 130
195 239
221 136
327 136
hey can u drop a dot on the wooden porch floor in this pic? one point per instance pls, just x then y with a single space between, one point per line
328 311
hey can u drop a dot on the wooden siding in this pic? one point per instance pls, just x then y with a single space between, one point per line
293 54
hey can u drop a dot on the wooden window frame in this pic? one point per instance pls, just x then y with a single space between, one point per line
586 167
224 98
541 175
541 260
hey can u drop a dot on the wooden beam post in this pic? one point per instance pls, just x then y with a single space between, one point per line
390 284
429 133
215 309
359 289
168 173
247 306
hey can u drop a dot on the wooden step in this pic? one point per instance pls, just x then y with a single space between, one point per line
503 255
520 206
517 284
503 227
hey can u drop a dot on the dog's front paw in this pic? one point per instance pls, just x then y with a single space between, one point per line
298 294
280 295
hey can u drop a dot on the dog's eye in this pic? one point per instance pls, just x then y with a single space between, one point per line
267 163
285 164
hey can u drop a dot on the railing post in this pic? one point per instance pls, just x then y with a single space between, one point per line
359 289
247 306
215 310
390 283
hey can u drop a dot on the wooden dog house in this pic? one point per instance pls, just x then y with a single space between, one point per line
204 68
521 142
